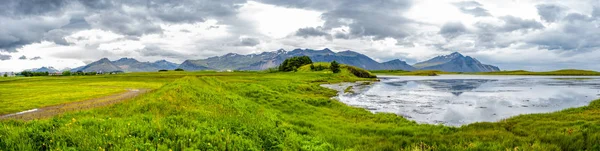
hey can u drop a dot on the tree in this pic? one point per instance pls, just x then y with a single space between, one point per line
293 63
5 75
178 69
66 73
335 67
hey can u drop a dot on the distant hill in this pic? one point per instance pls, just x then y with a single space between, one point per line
132 65
45 69
126 64
102 65
455 62
267 60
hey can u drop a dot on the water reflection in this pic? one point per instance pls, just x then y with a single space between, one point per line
458 100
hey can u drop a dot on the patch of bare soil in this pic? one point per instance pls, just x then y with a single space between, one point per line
49 111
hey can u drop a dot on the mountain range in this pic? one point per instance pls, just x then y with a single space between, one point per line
127 65
454 62
267 60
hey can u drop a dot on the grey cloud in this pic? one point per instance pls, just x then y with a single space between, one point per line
29 21
340 35
248 42
576 35
311 32
452 30
596 12
512 23
304 4
473 8
576 17
23 57
5 57
17 32
31 7
124 24
379 19
36 58
157 51
549 12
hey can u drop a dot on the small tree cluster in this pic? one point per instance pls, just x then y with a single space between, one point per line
335 67
178 69
293 63
31 73
5 75
66 73
317 67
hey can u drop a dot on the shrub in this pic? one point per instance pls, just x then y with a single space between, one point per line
317 67
293 63
31 73
335 67
5 75
359 72
163 70
66 73
178 69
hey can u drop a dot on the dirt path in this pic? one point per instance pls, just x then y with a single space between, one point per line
49 111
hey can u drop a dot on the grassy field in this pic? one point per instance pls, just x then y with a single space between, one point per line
566 72
272 111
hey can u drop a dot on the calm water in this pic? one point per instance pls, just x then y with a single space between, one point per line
462 99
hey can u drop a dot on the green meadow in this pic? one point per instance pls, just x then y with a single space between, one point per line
257 111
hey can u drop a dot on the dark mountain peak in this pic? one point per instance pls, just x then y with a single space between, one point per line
280 51
45 69
161 61
453 55
230 54
456 54
349 53
327 50
455 62
395 61
103 60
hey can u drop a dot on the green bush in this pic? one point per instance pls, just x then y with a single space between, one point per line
359 72
178 69
163 70
31 73
317 67
66 73
335 67
293 63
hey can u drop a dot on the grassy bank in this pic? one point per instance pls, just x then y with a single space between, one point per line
280 111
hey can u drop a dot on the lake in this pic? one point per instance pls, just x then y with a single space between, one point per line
456 100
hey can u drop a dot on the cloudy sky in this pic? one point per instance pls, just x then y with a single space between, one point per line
512 34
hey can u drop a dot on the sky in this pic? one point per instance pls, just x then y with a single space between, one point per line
536 35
